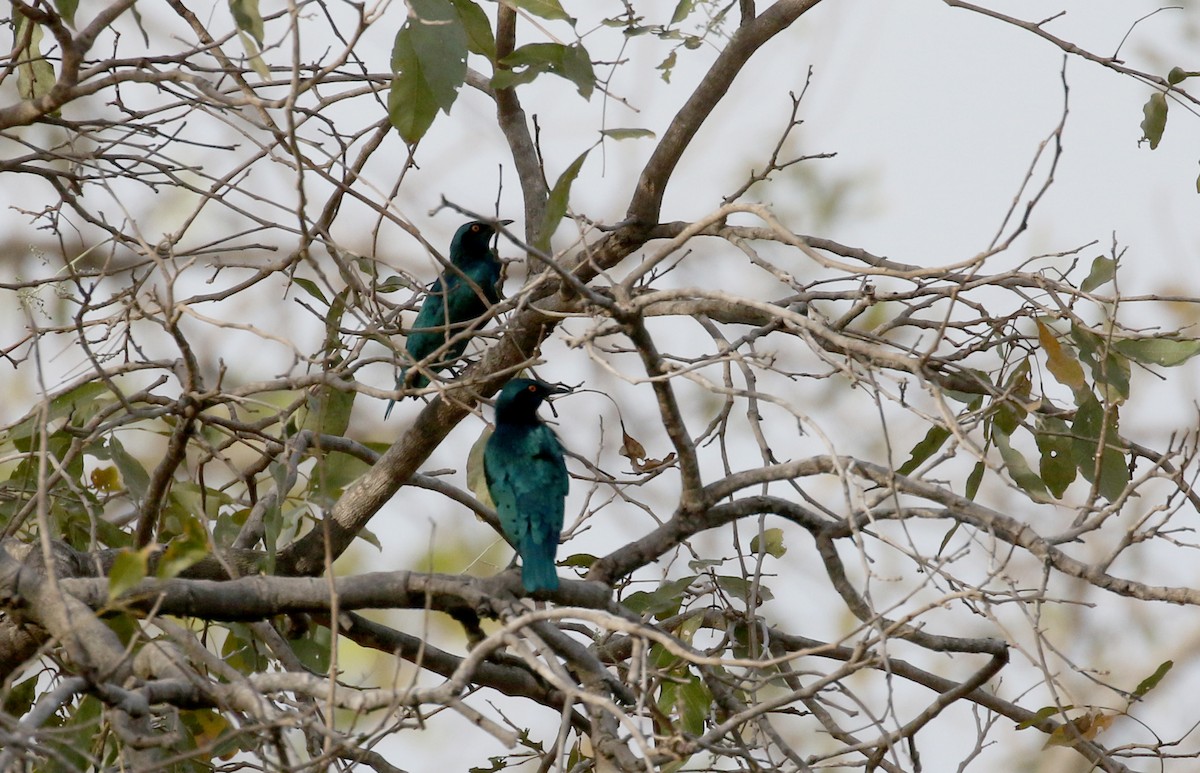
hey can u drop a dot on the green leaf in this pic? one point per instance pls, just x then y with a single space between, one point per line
1061 362
228 526
310 287
393 284
81 403
925 448
247 18
240 650
1019 470
577 68
578 560
476 480
439 41
141 24
128 569
682 9
35 74
556 206
667 66
328 410
693 701
1112 374
66 9
1007 417
333 473
663 602
1155 118
137 480
769 542
71 744
184 550
1087 342
507 79
411 102
1042 714
1090 423
253 56
627 134
1057 464
1167 352
314 649
686 631
1110 369
1178 75
19 698
210 729
1150 682
368 536
571 62
547 9
1103 270
948 536
740 587
974 479
480 39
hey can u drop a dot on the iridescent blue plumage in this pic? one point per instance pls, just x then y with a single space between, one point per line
462 294
526 475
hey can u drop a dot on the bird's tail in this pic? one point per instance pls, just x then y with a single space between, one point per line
418 382
537 564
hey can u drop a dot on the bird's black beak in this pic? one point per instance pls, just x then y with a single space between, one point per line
555 390
499 224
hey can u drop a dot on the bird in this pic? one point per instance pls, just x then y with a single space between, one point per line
526 476
462 294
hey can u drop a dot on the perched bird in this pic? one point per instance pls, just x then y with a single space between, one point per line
462 294
527 478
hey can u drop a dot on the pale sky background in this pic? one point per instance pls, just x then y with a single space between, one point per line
935 115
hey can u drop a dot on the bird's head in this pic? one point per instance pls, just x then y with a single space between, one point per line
519 399
471 241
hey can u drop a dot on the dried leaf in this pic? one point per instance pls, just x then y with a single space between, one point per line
631 449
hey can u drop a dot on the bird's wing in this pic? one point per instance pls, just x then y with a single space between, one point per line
463 297
500 472
489 280
544 488
552 463
428 331
433 308
527 478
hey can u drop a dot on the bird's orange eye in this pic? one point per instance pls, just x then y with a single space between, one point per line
532 387
475 228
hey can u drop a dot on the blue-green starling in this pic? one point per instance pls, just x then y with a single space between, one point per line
527 477
462 294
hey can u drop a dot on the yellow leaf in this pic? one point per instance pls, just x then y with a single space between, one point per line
1087 727
476 480
106 479
1062 364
